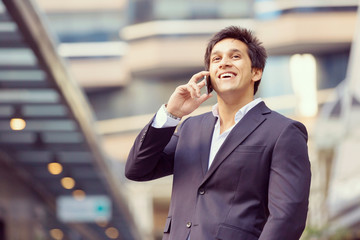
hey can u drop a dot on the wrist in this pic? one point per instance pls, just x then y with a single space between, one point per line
170 114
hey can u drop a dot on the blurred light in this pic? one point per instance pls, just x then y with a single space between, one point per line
55 168
179 27
102 223
17 124
112 232
303 77
56 234
68 182
115 49
79 194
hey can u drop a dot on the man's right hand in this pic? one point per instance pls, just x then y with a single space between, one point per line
186 98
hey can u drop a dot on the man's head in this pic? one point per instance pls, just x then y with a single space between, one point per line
255 50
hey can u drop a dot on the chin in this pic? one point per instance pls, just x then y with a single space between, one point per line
227 88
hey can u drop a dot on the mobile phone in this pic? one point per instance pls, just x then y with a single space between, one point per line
208 85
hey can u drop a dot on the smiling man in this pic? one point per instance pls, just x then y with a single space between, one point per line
239 172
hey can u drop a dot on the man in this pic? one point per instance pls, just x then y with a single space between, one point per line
239 172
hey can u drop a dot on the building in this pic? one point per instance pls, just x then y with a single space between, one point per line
56 181
128 57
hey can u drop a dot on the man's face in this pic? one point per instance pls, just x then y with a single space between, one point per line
230 69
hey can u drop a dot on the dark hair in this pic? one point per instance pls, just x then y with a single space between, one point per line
256 51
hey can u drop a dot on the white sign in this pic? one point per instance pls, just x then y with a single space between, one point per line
90 209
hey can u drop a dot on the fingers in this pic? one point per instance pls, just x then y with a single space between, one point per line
193 87
186 98
203 98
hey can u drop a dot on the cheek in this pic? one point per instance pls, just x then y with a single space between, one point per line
212 70
245 71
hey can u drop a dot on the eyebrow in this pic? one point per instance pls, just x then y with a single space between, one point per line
233 50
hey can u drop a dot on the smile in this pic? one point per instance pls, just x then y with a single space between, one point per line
227 75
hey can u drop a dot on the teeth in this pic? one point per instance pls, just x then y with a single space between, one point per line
227 75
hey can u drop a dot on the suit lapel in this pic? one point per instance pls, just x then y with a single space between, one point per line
207 129
239 133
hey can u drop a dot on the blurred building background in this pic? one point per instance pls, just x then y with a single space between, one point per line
81 78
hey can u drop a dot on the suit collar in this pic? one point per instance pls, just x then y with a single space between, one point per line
207 125
241 112
254 118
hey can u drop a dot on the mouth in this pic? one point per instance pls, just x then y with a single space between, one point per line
226 75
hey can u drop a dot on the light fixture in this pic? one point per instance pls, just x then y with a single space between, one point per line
79 194
303 77
17 123
54 167
112 233
102 222
68 182
57 234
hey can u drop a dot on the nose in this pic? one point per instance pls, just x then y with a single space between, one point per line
225 62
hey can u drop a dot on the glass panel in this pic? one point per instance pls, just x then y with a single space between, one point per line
2 8
22 75
144 10
276 84
235 9
6 111
59 137
50 125
29 96
7 27
19 56
44 111
17 137
171 9
34 156
75 157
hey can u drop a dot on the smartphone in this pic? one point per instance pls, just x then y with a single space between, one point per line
208 84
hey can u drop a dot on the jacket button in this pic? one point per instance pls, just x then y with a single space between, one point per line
188 225
202 191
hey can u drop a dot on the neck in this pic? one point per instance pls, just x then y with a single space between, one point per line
228 109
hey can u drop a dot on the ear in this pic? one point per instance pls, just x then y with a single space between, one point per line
256 74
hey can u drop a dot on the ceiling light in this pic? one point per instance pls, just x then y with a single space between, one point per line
68 182
303 78
17 124
112 233
56 234
79 194
55 168
101 223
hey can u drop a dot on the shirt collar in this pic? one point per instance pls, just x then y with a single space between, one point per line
242 111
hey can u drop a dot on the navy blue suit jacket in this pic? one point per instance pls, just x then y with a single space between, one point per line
257 187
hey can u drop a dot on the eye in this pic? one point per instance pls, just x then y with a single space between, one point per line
215 59
236 56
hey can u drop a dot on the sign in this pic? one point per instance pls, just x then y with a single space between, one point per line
90 209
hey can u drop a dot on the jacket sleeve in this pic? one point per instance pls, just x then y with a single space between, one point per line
289 185
152 155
